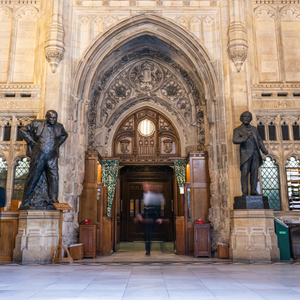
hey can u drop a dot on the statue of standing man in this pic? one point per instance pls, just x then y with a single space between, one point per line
251 144
43 138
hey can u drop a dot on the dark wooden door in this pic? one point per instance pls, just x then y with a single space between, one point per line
132 201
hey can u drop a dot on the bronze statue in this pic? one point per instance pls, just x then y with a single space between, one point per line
43 138
251 144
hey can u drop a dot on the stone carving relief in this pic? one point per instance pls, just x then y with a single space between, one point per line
168 145
172 90
120 90
146 76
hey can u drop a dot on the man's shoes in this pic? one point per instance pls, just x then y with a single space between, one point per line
147 252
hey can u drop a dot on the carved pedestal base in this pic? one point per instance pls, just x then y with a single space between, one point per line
253 237
37 236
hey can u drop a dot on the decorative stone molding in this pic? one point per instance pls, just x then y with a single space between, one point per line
237 45
55 47
237 36
54 56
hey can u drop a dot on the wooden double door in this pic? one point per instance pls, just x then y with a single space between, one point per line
132 180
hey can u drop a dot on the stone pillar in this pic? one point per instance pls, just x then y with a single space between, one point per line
253 237
37 236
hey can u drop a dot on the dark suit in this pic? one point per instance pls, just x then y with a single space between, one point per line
43 142
250 156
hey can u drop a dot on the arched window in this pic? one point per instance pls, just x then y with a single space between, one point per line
21 172
3 172
285 131
272 132
261 131
296 132
293 182
270 184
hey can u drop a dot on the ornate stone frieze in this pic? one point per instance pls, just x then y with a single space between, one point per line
19 105
276 104
146 80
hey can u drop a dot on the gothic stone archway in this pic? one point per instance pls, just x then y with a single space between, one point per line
148 61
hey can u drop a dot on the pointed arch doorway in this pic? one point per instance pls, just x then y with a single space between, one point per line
146 141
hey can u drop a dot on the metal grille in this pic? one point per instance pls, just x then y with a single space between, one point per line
21 172
3 172
270 183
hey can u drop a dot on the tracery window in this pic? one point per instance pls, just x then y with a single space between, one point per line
21 172
270 183
293 182
3 172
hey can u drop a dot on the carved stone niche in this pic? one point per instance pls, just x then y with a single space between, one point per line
146 135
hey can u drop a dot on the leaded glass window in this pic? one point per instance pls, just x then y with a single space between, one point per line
270 183
3 172
293 182
21 172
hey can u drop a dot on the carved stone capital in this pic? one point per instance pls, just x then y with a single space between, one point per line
54 55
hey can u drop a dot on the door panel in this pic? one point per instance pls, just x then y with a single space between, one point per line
132 203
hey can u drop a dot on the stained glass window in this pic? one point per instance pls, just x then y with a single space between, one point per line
3 172
21 172
270 183
293 182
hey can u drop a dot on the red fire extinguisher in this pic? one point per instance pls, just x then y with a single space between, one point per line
85 222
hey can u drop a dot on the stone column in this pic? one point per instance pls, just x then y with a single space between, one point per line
253 237
37 236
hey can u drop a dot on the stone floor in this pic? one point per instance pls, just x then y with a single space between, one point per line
163 275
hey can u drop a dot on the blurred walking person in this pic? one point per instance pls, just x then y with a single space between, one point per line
151 216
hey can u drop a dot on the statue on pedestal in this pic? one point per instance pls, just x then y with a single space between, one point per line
43 138
251 144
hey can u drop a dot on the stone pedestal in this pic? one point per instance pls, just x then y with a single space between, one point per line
253 237
37 236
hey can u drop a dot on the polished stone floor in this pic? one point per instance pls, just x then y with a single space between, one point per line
163 275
